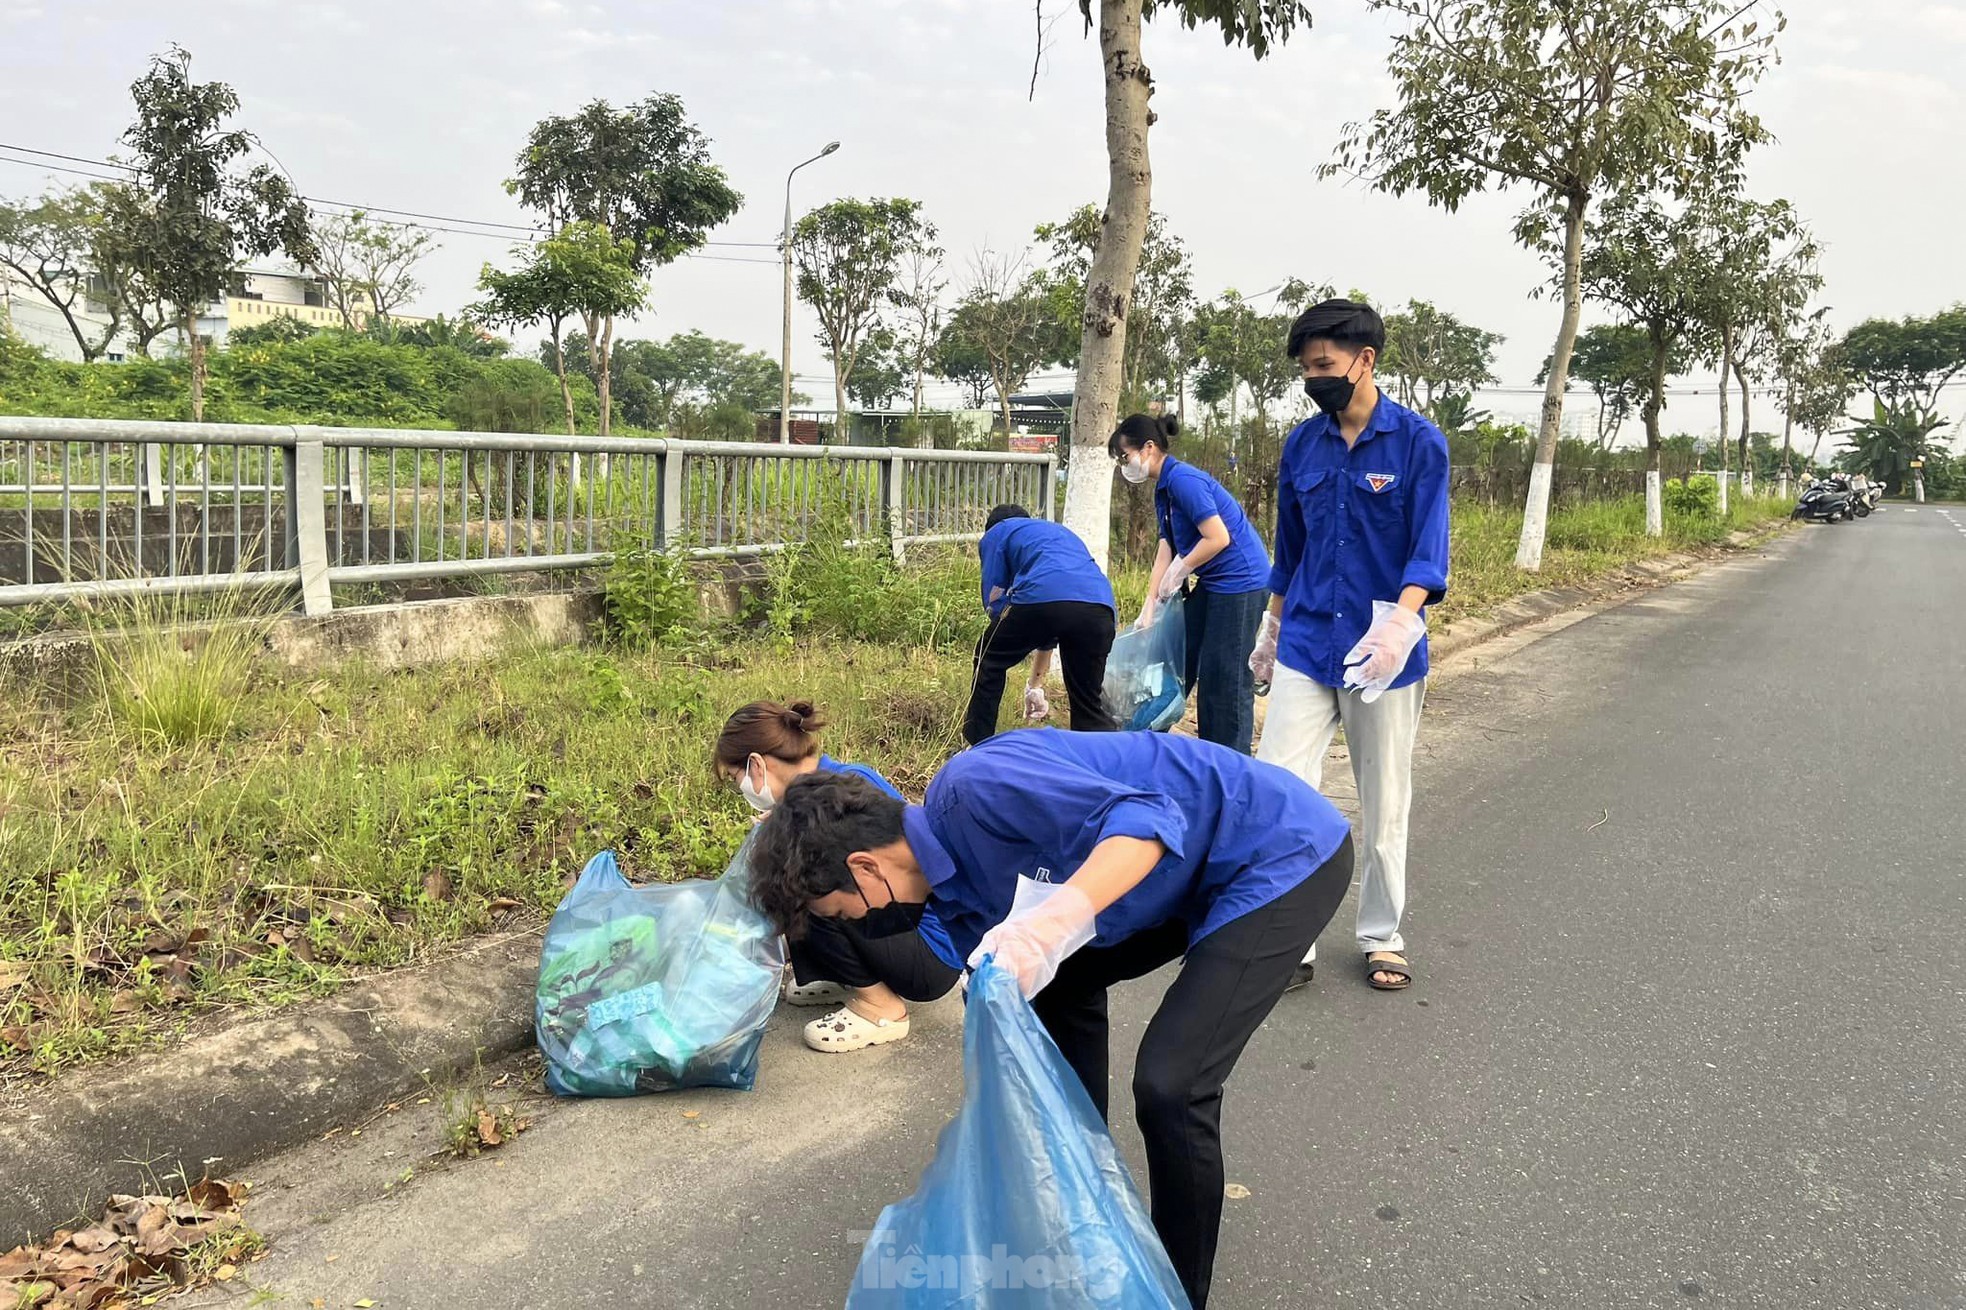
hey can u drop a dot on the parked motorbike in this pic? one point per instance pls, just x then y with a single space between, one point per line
1826 500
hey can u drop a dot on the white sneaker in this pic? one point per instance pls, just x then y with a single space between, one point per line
814 993
844 1030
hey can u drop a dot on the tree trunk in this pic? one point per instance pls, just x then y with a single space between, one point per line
1536 511
1655 513
1788 432
1726 363
560 371
1002 383
1747 467
195 346
1109 283
842 425
606 374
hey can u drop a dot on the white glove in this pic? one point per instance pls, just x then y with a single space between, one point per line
1263 660
1035 705
1031 944
1384 649
1148 610
1170 581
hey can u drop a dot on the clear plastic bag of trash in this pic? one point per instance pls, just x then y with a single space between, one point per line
1026 1202
1147 671
650 989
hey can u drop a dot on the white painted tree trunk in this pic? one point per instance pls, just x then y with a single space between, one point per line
1536 512
1655 505
1109 283
1723 493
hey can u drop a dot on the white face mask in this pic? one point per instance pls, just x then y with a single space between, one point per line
1134 471
759 797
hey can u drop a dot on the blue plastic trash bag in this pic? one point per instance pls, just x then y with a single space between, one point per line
1147 672
648 989
1026 1202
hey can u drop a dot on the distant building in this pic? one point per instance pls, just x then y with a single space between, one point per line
256 297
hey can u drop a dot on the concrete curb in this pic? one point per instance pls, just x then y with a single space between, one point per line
228 1098
224 1099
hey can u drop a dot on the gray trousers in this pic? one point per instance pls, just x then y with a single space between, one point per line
1302 718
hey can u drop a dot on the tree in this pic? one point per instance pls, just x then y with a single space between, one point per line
1816 388
881 375
50 244
1653 263
960 360
583 270
279 330
1163 294
643 174
1429 348
1884 445
369 267
1239 348
1003 318
1573 99
652 379
459 334
1616 360
849 255
189 217
1904 363
918 308
1750 284
1109 280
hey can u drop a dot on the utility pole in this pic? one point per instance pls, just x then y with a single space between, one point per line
785 360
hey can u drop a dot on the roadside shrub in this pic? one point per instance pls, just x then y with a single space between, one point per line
1692 496
651 595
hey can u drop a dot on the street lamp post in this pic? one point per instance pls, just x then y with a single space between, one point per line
785 361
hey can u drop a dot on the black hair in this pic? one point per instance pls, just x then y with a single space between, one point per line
1004 512
799 853
1136 430
1344 322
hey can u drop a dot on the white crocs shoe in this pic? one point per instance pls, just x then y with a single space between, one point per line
814 993
843 1030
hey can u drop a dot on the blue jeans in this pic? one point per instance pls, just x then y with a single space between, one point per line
1221 633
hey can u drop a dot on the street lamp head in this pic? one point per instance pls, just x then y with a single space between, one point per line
831 146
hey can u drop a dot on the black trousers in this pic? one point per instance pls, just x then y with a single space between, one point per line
1083 634
1227 986
833 950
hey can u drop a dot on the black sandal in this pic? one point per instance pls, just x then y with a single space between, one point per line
1399 968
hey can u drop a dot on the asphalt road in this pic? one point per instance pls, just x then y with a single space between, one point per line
1686 913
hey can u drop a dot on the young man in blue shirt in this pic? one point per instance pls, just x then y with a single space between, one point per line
1044 592
1361 551
1077 860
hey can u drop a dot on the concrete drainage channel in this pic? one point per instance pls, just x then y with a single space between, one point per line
231 1096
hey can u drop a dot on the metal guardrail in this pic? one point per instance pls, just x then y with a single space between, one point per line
103 507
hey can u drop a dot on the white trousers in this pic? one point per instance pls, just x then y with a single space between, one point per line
1302 718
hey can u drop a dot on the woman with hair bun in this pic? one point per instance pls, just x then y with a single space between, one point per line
1204 537
870 968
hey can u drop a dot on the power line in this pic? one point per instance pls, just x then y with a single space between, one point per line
527 232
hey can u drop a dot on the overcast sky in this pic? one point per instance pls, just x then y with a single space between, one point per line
422 104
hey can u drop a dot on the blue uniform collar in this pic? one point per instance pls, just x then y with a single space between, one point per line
930 853
1382 420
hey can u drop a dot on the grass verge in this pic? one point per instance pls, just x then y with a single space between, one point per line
210 832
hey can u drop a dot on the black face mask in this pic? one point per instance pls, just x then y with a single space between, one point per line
1330 395
890 920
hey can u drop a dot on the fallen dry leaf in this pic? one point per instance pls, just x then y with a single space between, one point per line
363 1304
488 1128
501 905
437 885
224 1273
1236 1192
14 973
691 1114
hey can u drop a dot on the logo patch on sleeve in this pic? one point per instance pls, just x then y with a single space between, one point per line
1380 481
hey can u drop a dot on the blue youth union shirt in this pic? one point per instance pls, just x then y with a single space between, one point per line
1033 804
1036 561
931 928
1184 499
1354 526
